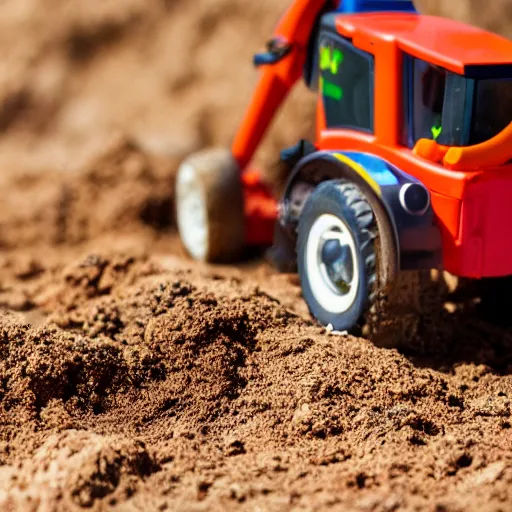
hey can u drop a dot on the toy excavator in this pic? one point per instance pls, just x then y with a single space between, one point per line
411 168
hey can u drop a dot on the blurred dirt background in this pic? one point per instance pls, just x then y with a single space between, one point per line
130 378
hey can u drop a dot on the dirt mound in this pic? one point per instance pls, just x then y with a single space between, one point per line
75 470
188 389
121 189
167 74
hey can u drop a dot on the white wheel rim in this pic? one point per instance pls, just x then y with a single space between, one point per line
191 212
327 293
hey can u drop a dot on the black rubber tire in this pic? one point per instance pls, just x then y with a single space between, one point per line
346 201
212 178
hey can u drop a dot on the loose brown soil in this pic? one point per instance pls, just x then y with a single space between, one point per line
133 379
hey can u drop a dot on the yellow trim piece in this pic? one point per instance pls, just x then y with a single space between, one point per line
361 171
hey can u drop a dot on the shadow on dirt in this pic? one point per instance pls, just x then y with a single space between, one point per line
470 322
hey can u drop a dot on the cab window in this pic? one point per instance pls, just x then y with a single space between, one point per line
435 104
429 93
493 108
346 85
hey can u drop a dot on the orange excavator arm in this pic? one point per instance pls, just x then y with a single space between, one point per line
282 67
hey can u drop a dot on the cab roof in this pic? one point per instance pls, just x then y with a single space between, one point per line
458 47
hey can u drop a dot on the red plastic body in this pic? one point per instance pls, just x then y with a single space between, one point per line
260 210
470 193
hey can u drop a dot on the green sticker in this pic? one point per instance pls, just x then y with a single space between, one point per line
331 59
337 59
331 90
436 131
325 58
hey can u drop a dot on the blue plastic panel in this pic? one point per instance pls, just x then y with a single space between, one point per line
378 169
355 6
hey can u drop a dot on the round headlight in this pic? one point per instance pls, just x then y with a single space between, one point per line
414 198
